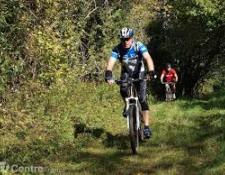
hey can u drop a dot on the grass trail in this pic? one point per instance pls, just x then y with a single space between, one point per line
84 134
188 138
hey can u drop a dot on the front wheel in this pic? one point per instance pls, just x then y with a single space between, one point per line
169 95
134 135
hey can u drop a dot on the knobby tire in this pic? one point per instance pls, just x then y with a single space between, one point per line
133 132
141 131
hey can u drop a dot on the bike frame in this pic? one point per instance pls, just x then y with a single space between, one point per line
133 122
133 100
169 92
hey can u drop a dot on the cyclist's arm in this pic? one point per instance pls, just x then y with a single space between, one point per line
109 69
149 61
176 78
142 49
113 58
175 75
161 78
111 63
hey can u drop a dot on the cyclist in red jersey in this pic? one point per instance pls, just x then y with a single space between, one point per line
169 75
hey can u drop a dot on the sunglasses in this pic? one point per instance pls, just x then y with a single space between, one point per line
124 39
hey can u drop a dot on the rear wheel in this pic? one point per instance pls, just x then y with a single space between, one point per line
133 131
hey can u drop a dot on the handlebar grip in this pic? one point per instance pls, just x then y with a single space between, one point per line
118 81
168 82
155 76
151 74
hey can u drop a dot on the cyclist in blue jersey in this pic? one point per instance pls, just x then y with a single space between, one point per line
132 54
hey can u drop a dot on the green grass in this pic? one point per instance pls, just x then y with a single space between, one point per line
78 128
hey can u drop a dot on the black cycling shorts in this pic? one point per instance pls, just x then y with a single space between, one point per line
140 86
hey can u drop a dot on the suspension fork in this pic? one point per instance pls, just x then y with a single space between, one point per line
128 104
137 114
127 108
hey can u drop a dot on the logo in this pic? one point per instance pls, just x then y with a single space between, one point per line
4 166
27 169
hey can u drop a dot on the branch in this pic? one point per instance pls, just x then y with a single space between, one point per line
91 12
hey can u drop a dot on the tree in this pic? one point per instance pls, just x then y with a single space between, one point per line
193 32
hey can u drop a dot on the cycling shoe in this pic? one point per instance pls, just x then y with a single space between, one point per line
147 133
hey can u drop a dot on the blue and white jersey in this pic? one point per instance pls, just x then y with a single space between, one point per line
131 59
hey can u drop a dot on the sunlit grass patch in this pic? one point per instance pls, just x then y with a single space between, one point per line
80 129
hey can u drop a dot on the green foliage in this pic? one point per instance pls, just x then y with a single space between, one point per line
52 112
190 34
39 124
48 39
43 40
215 83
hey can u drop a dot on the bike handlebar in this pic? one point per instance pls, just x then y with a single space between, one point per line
129 81
168 83
132 80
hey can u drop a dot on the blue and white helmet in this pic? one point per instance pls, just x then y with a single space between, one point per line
126 33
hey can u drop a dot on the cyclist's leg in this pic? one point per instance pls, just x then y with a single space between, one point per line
124 86
142 94
141 89
167 86
167 90
173 87
124 90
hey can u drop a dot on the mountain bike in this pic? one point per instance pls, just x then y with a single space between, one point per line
134 118
169 93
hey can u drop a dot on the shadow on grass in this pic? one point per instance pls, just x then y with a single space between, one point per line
110 162
202 138
208 102
108 139
116 158
183 148
119 141
82 128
